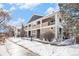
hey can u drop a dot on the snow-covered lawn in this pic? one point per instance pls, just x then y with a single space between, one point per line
4 51
47 49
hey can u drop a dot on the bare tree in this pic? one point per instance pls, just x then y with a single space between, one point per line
70 14
4 18
22 32
10 30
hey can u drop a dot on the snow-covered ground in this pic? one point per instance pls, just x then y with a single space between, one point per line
47 49
3 51
12 49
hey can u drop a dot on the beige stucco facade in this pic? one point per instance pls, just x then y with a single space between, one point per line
47 23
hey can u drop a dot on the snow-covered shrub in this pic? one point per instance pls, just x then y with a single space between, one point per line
70 41
48 36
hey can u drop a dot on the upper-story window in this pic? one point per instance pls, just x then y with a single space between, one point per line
29 25
51 22
51 27
26 26
38 22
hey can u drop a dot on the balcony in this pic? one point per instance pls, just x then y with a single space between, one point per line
44 24
47 23
51 23
36 26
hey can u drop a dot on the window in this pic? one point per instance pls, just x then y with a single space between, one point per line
25 26
60 19
38 22
60 30
33 31
51 22
30 25
51 27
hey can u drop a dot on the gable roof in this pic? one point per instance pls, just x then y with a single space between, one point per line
34 17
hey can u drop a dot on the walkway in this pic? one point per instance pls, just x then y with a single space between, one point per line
12 49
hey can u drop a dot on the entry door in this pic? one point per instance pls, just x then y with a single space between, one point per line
29 33
38 33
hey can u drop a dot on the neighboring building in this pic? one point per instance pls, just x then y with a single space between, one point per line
38 25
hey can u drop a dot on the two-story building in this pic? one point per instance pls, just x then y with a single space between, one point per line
38 25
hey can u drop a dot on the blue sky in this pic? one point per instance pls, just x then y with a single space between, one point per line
21 12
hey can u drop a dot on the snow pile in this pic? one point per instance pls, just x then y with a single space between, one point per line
72 50
67 42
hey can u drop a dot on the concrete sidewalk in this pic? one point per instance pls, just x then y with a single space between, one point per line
4 51
13 49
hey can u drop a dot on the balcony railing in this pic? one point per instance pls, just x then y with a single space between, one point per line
36 26
51 23
44 24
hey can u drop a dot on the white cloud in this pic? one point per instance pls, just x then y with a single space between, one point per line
12 8
26 5
50 10
17 23
1 6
